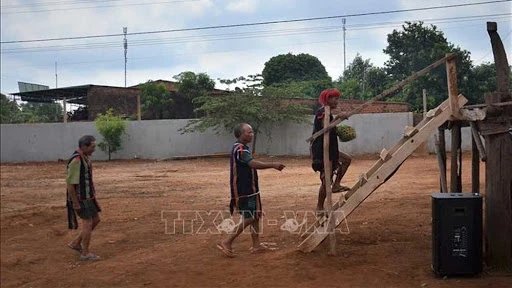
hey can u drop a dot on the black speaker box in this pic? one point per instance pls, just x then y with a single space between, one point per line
456 233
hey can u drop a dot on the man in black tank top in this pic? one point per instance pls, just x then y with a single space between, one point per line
340 160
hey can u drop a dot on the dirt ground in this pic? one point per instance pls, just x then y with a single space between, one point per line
387 244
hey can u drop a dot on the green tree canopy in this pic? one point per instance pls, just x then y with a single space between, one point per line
193 85
362 80
9 110
156 102
261 107
415 47
288 68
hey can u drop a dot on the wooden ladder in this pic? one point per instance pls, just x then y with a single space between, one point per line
380 172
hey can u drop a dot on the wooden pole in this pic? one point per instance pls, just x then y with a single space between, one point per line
65 118
400 85
455 176
451 74
424 103
475 167
478 141
441 158
327 184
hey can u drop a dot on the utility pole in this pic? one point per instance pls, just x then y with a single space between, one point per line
125 30
344 52
56 85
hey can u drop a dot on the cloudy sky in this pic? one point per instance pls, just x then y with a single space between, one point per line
224 52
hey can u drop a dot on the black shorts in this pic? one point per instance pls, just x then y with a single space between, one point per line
318 166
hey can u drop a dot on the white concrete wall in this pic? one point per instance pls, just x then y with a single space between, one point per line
157 139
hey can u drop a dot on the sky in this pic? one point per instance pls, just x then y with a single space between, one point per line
222 53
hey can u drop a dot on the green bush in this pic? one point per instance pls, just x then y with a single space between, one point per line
111 128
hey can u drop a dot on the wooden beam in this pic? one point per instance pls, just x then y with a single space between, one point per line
338 119
378 178
410 131
433 112
384 155
327 184
478 142
451 74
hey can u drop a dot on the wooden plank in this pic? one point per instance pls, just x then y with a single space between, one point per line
338 119
319 234
327 184
410 131
455 169
384 155
434 112
478 141
451 74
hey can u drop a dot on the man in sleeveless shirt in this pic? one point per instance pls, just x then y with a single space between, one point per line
81 197
340 160
245 194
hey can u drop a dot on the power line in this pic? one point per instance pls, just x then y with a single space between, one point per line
238 35
101 6
257 23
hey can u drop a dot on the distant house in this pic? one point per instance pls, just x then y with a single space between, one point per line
96 99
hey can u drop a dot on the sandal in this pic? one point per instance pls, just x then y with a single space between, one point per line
77 249
89 257
225 250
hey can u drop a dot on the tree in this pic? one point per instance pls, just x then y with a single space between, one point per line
111 129
362 80
413 49
41 112
261 107
288 67
193 85
156 102
482 79
9 111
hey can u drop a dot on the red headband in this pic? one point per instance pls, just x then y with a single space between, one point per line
327 93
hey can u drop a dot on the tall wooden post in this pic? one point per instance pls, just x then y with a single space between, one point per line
456 152
441 157
327 184
498 170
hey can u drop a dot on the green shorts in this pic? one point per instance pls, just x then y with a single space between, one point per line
247 207
88 209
